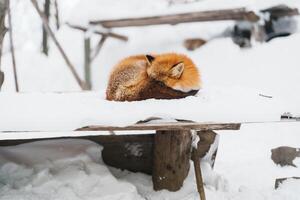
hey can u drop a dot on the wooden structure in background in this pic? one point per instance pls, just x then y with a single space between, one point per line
12 48
49 31
90 53
213 15
165 154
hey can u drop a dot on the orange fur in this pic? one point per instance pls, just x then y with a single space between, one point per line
135 78
161 65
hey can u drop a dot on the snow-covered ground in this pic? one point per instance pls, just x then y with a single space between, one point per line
232 81
73 169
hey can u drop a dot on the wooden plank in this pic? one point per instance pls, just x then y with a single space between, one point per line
165 126
214 15
99 139
281 11
148 126
130 152
108 34
171 159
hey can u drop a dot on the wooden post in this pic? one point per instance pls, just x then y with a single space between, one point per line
45 35
87 62
198 174
1 78
57 20
12 49
3 30
171 159
207 138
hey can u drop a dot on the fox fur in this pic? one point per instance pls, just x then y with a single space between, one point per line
164 76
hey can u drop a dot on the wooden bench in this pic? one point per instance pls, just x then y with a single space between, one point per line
165 155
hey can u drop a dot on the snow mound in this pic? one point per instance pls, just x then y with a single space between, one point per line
59 169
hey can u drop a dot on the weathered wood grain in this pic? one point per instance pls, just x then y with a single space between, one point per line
130 152
214 15
171 159
165 126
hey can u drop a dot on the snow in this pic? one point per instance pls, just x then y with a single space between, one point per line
59 169
73 169
67 112
233 81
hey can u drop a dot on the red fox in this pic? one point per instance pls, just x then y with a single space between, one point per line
164 76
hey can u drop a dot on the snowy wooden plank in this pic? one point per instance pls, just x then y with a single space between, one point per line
107 34
165 126
213 15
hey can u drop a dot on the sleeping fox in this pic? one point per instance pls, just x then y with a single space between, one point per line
164 76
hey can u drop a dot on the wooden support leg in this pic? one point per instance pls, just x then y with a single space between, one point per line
198 173
171 159
207 138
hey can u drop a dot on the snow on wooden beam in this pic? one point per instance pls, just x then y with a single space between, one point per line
214 15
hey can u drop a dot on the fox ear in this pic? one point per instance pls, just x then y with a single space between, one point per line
149 59
176 71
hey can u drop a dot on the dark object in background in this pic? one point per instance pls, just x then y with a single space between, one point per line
278 23
285 155
193 43
1 78
241 34
279 181
289 116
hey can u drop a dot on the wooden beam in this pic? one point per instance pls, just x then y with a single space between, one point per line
99 139
166 126
109 34
214 15
281 11
130 152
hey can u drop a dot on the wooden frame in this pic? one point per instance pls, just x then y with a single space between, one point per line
165 154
